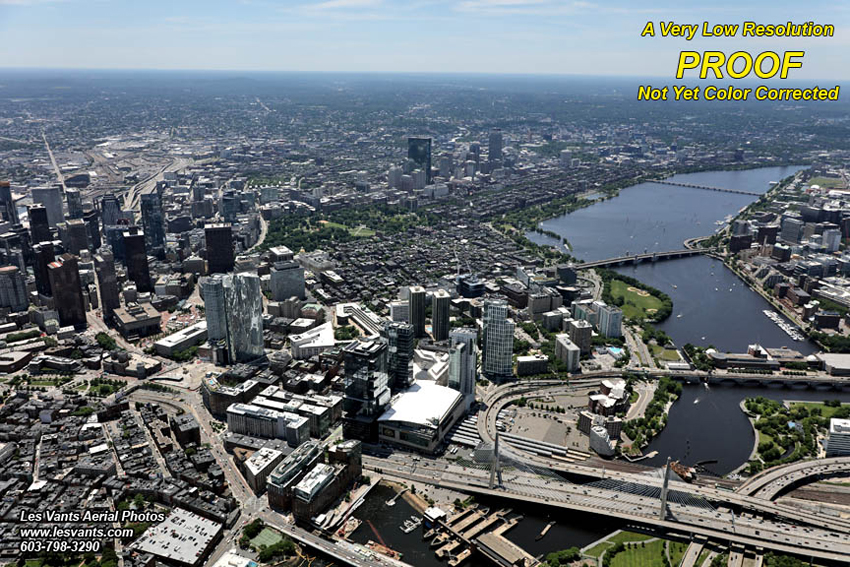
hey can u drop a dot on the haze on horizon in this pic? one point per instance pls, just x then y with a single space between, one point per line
433 36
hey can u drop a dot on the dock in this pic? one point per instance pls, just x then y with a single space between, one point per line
480 530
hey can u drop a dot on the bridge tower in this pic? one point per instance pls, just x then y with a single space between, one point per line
662 513
495 469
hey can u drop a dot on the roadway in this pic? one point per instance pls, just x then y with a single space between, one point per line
690 517
771 483
59 176
132 199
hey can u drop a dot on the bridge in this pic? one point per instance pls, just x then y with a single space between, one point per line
650 256
704 187
773 482
633 502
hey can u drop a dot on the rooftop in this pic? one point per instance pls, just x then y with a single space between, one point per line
424 403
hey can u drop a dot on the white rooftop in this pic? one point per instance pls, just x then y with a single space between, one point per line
424 403
840 426
182 537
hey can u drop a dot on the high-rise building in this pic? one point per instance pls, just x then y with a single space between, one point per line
219 244
792 229
581 333
39 225
419 151
153 222
495 148
74 235
107 282
244 308
416 299
24 241
610 321
229 206
399 354
567 352
440 305
13 289
110 210
75 203
91 220
67 291
497 361
463 362
287 280
214 309
51 199
136 259
43 256
8 210
367 391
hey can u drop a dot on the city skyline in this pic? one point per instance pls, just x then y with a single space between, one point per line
546 37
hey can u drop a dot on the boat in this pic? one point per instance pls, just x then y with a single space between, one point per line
411 524
789 329
383 550
545 531
679 316
429 534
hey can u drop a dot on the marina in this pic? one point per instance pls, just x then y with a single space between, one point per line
791 330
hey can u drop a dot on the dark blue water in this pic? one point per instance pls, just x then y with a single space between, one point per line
655 218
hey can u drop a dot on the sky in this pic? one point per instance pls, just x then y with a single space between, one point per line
581 37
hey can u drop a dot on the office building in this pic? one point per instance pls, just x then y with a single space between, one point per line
416 300
153 222
13 289
214 308
51 199
92 224
110 210
74 235
400 311
107 283
440 304
463 362
8 210
137 320
136 260
399 354
75 203
419 152
610 321
43 255
567 352
244 309
256 421
259 466
495 148
498 340
838 442
64 276
792 229
289 473
39 225
287 280
219 246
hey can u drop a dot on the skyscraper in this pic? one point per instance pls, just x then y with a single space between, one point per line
399 354
367 391
74 235
610 321
440 304
463 362
107 282
13 289
244 308
219 244
75 203
67 291
416 298
51 199
91 220
498 337
110 210
419 151
39 226
495 149
287 280
136 259
153 222
43 255
8 210
214 308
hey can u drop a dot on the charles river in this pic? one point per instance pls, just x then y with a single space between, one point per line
711 306
705 424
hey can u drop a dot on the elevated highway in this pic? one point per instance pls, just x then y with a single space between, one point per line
773 482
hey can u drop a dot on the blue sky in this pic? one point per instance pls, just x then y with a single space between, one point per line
588 37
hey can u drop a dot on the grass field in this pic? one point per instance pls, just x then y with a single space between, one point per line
637 304
828 182
677 550
650 555
621 537
266 537
668 354
825 410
